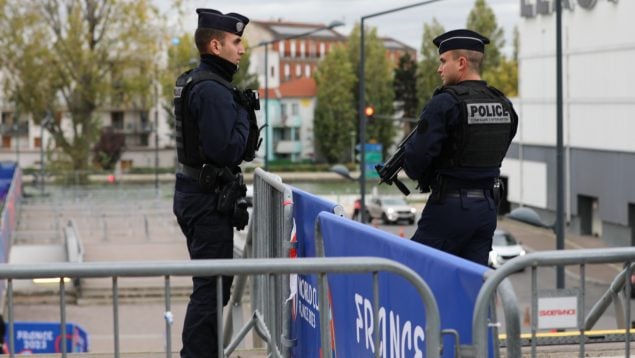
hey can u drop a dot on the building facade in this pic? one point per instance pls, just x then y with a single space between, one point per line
287 87
599 116
25 142
289 84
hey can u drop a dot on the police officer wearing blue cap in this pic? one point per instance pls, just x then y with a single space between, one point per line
463 135
214 133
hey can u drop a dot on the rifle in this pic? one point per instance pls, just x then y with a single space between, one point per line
390 169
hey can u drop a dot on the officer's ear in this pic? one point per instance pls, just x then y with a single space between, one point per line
216 43
463 62
214 46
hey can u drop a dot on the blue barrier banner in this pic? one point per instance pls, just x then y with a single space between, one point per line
454 282
10 194
305 327
46 337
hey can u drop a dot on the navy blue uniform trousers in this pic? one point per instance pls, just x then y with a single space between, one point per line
209 236
459 225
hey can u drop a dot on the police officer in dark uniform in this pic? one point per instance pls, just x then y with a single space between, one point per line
214 123
463 135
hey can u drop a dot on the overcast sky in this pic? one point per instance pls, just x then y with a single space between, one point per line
405 26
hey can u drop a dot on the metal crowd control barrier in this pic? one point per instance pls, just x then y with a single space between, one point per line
272 268
549 259
268 237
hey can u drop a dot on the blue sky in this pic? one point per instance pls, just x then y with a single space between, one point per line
405 26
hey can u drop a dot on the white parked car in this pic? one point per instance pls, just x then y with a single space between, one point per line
391 210
504 248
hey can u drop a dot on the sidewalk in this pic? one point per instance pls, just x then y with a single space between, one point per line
539 239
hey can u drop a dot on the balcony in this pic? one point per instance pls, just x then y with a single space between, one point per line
289 121
134 128
288 147
18 129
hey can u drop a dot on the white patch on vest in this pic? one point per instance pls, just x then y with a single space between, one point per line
177 91
487 113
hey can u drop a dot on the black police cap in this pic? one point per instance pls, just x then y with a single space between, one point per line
213 19
461 40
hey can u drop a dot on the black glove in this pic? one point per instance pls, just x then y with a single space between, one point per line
240 218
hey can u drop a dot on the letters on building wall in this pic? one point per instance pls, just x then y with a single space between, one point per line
532 8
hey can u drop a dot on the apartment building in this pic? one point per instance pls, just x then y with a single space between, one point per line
147 135
288 77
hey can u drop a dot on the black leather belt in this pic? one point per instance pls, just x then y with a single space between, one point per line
469 193
194 173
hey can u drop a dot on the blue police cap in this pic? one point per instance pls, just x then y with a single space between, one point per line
213 19
461 40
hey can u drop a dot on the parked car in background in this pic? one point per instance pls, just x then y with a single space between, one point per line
504 248
390 209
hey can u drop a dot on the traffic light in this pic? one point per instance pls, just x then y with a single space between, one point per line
369 112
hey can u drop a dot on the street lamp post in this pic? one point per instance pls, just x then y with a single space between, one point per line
16 127
362 103
559 146
266 46
45 122
156 139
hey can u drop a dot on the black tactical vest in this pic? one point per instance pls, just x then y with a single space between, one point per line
188 149
486 127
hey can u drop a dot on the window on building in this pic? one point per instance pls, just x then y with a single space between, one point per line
283 110
7 119
144 140
281 48
37 142
292 43
287 71
116 119
126 164
307 70
312 49
145 122
273 71
302 49
295 109
322 49
277 134
298 70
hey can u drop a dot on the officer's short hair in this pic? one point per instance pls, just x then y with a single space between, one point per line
203 36
474 58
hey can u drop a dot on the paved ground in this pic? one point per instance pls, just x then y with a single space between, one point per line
538 239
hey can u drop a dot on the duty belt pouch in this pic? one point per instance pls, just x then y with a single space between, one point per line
207 177
227 197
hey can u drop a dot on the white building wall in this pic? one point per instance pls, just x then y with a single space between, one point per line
598 50
599 117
